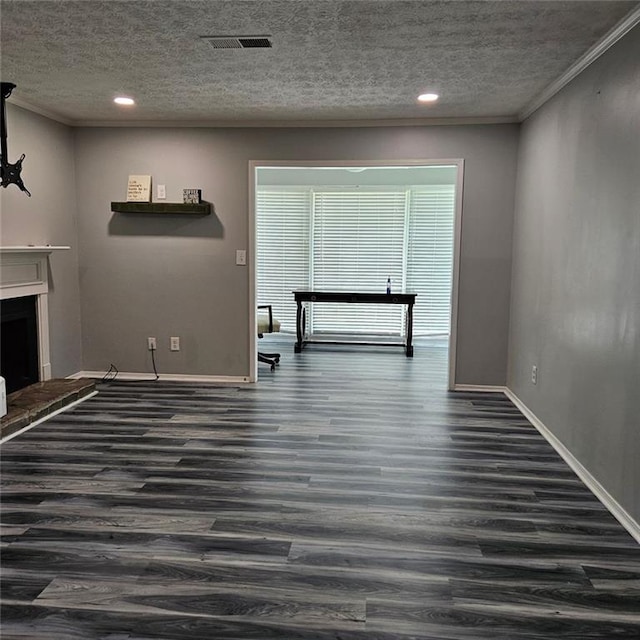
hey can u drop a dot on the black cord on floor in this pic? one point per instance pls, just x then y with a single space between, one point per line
112 374
153 360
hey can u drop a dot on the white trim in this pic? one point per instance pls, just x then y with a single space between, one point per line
164 377
264 124
458 162
612 505
32 281
296 124
480 388
50 415
44 356
26 256
455 280
609 502
251 255
33 248
592 54
293 164
52 115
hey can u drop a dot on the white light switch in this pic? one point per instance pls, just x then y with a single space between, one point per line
241 256
162 192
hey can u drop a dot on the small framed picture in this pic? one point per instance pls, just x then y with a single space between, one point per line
139 189
192 196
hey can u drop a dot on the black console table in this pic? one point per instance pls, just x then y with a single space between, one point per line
358 298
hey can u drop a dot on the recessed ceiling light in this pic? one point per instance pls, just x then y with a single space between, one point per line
124 101
428 97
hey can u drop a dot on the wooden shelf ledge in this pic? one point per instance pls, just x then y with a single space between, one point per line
202 209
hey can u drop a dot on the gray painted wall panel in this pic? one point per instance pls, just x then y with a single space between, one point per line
576 279
143 276
48 217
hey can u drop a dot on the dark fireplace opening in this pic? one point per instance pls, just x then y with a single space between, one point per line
19 342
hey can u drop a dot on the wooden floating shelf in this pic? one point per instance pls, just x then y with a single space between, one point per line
202 209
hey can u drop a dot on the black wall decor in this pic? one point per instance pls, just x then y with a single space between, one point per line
10 172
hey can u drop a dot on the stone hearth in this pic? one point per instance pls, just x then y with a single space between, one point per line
41 399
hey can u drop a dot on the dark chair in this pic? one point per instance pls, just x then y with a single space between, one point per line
267 324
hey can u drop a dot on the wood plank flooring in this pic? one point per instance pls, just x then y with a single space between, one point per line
345 496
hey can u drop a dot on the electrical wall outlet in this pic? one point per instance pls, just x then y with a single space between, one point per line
241 257
534 374
151 344
162 192
175 344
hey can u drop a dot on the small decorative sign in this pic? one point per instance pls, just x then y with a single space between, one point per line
139 189
192 196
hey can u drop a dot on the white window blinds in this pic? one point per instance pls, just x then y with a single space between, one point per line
282 249
430 257
358 242
336 239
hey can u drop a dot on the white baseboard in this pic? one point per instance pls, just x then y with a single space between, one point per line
479 388
48 416
616 510
164 377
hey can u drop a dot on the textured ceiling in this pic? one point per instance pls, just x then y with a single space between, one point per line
331 59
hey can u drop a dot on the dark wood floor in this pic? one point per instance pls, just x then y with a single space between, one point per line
346 496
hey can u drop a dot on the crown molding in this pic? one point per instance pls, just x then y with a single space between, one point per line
51 115
591 55
307 124
265 124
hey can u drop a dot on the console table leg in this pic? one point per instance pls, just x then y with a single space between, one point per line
409 350
299 328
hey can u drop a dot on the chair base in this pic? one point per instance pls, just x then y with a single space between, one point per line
269 358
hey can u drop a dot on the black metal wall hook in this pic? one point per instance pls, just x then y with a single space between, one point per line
10 172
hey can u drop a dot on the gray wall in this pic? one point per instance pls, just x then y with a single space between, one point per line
48 217
576 279
163 276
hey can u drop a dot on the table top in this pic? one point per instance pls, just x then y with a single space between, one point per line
355 296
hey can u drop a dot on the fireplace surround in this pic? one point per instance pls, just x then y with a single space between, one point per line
24 272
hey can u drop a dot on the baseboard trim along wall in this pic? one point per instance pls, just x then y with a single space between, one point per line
616 510
48 416
612 505
479 388
164 377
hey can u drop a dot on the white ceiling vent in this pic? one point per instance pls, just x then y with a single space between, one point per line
238 42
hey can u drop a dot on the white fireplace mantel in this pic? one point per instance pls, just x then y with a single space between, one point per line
31 248
24 272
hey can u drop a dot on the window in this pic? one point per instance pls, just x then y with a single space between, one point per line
282 235
358 242
354 239
430 257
